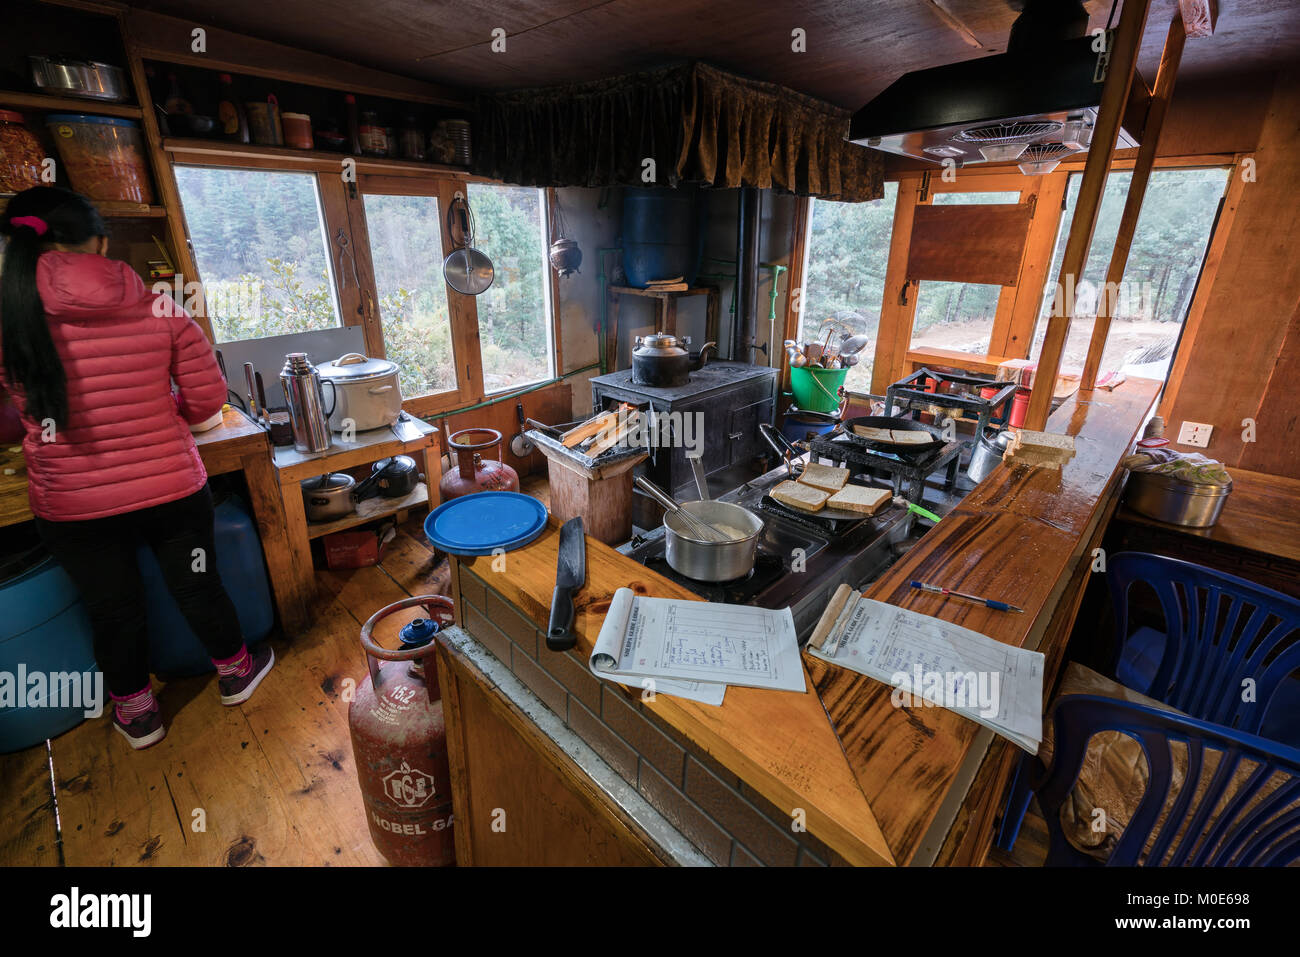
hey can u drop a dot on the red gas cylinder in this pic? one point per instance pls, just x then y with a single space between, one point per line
473 473
399 741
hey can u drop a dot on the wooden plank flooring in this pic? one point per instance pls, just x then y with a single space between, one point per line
268 782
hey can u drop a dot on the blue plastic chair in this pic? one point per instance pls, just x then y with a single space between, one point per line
1220 630
1196 832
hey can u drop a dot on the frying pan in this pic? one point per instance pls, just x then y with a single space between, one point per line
891 422
467 270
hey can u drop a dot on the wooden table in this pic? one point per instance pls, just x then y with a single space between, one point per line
409 436
1257 535
236 445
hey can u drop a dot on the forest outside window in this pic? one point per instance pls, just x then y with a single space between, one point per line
516 332
260 244
847 252
1169 244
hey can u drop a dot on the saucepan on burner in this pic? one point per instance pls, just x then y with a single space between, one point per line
706 561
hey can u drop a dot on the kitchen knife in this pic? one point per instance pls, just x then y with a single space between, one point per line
252 390
261 398
570 575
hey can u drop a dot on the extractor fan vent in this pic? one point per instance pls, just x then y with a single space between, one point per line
1003 142
1036 152
997 134
1041 158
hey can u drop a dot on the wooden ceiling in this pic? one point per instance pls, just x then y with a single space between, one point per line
855 48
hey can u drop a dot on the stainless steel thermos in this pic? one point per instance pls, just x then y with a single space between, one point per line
304 396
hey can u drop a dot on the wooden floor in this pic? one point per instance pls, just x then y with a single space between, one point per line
268 782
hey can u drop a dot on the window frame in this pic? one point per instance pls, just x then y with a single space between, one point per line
1017 314
343 208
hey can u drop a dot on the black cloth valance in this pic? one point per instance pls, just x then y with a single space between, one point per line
697 123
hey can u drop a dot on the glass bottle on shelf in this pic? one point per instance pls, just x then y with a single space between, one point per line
231 117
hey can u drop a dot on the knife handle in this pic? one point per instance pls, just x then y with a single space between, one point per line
559 635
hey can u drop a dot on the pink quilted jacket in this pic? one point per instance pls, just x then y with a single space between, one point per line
127 443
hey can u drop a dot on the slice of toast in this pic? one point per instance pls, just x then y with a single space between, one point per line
910 436
803 497
828 478
859 498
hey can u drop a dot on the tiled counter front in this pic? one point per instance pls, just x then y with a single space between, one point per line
712 808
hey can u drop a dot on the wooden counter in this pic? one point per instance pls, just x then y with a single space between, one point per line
1019 536
872 778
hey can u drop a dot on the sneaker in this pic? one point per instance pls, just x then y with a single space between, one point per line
144 731
236 689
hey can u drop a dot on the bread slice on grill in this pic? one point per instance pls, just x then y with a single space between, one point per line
859 498
828 478
798 495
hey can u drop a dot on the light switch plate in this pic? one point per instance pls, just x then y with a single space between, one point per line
1195 433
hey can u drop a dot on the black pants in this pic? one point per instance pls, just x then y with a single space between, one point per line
99 556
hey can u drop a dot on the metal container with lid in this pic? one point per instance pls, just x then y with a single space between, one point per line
1174 500
369 395
327 497
88 79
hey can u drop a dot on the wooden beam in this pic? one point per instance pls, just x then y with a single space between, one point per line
1015 337
1119 77
794 304
1137 189
898 307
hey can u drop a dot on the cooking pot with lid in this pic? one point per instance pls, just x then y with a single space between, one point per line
393 477
327 497
368 393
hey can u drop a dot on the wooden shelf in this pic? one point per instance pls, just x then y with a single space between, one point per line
205 147
369 510
68 104
112 210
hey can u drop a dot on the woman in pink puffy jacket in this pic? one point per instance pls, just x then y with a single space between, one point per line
89 356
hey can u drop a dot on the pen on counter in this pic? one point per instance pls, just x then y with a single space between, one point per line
988 602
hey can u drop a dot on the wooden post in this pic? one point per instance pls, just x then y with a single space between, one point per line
1114 96
1137 189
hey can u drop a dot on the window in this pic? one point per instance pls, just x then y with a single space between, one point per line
406 249
514 315
1148 309
844 274
260 245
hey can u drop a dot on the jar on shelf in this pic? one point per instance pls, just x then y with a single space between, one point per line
21 154
411 139
297 130
374 138
103 157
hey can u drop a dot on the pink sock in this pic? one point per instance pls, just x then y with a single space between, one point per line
135 705
237 665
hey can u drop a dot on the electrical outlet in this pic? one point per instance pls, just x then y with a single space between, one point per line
1195 433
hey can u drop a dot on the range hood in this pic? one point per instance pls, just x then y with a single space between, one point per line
1034 104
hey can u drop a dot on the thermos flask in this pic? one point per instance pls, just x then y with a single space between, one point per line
305 398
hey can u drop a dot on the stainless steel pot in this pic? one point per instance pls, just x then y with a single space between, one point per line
368 392
328 497
1167 499
87 79
713 561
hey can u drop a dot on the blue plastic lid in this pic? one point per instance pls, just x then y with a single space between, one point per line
418 633
51 118
482 523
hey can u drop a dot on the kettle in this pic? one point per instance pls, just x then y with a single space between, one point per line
662 360
986 454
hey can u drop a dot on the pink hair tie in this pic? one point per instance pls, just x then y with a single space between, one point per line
35 222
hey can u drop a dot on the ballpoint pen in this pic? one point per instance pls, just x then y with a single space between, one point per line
988 602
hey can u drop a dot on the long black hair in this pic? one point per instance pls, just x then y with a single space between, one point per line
33 222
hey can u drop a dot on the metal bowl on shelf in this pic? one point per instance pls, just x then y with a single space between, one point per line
86 79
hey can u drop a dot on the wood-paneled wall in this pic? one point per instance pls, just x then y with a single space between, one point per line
1244 350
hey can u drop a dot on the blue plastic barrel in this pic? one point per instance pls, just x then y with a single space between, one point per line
44 629
174 649
661 234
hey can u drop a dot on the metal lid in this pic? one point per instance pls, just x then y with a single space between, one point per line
354 367
661 343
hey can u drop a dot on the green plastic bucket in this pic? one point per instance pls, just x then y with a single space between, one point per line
816 390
